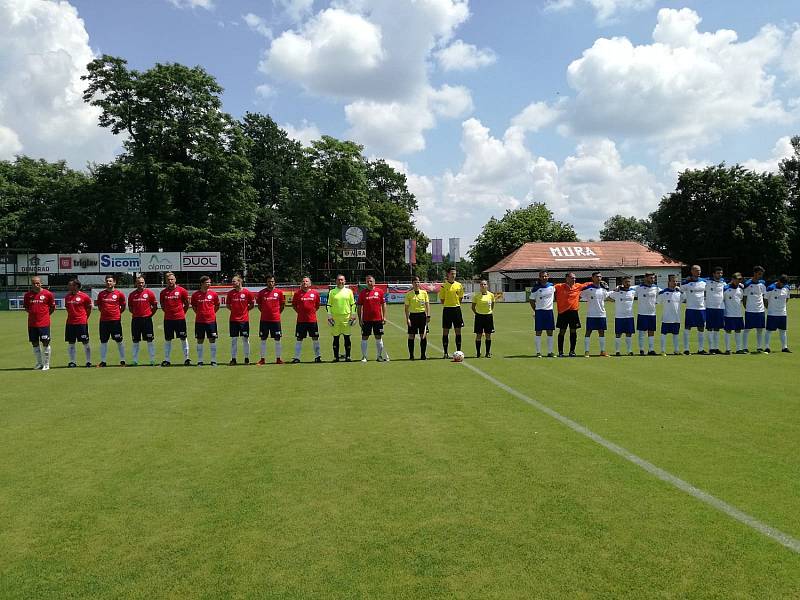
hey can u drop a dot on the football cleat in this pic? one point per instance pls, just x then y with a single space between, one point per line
232 363
88 365
348 359
488 355
318 359
604 354
134 364
246 360
45 367
39 367
363 359
786 350
278 361
122 363
767 350
102 364
652 353
213 364
295 361
71 365
261 362
187 363
165 363
550 355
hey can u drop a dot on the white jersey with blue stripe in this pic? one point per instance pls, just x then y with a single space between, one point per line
595 297
776 300
715 290
623 300
694 293
754 295
733 301
670 299
543 295
646 295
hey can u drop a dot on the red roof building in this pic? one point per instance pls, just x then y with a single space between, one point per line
613 259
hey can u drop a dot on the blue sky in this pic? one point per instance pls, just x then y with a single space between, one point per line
591 106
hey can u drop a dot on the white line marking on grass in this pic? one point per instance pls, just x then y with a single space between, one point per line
782 538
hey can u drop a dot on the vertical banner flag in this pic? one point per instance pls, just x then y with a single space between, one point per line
436 250
411 252
455 250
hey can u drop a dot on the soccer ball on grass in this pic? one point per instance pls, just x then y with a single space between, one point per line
458 356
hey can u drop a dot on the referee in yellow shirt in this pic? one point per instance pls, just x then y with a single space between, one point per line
418 314
450 296
483 309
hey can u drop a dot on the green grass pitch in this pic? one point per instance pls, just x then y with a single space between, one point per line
400 480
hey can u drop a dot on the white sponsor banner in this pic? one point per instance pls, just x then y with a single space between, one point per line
37 263
78 263
117 262
160 262
200 261
455 250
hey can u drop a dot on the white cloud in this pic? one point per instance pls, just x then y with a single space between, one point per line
593 185
375 55
265 91
44 50
207 4
296 10
684 90
606 11
459 56
537 115
258 24
783 149
791 57
305 133
399 127
334 54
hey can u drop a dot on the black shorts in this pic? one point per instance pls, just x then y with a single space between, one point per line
568 318
270 329
174 328
419 324
203 330
76 333
484 324
239 329
302 330
451 317
142 329
372 328
110 329
36 334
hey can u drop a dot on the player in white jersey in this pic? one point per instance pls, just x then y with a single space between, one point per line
754 312
715 309
734 319
623 298
670 299
646 296
541 300
776 297
694 294
595 296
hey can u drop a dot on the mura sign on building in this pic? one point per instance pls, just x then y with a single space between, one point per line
573 252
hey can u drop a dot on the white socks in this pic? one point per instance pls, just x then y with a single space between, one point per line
167 349
616 344
151 350
602 344
759 338
663 343
135 352
234 348
740 340
538 340
641 341
88 352
199 352
700 339
585 344
46 356
121 348
264 349
784 339
364 348
278 349
549 344
766 343
727 342
685 340
213 351
103 351
185 349
316 347
651 343
629 344
37 352
297 347
246 347
71 352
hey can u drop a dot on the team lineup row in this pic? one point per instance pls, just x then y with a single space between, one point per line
712 305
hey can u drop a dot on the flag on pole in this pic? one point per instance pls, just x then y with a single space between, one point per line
436 250
411 252
455 250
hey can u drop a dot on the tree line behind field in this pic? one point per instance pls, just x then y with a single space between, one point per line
191 177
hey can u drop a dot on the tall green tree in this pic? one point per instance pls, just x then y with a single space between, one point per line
790 170
184 169
620 228
500 237
726 213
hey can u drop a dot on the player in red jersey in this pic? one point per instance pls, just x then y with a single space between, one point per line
205 303
372 318
79 307
305 303
271 303
111 303
143 305
174 302
39 303
240 301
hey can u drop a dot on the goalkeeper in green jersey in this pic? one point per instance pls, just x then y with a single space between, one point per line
341 309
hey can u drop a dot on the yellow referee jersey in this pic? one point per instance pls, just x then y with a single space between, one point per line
451 294
416 301
483 303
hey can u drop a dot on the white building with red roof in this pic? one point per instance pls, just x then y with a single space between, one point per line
614 260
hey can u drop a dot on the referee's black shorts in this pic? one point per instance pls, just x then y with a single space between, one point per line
483 324
419 323
568 318
452 317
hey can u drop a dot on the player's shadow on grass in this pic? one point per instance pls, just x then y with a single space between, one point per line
29 368
520 356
